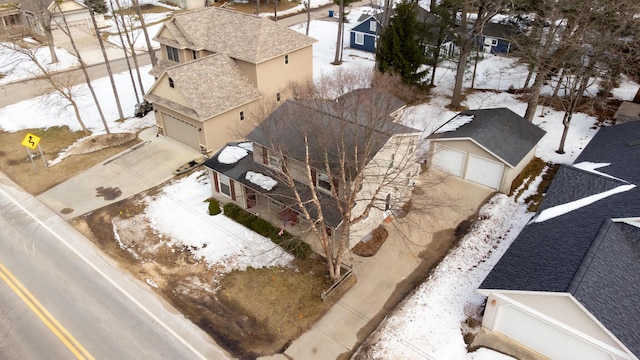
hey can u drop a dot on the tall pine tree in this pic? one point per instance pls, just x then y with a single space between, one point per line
399 49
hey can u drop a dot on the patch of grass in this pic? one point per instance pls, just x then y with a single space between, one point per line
537 167
283 302
14 161
290 243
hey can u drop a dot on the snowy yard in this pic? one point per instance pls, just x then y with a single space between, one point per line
428 324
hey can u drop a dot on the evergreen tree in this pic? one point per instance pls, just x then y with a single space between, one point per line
98 6
399 49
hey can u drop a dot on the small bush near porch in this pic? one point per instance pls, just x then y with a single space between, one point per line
287 241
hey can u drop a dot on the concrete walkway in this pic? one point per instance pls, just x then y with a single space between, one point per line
384 279
139 168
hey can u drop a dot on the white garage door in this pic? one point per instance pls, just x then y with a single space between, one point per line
544 337
485 172
181 131
448 159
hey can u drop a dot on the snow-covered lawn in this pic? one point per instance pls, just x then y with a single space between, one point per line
428 324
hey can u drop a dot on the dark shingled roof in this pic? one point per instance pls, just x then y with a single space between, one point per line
282 194
500 131
583 252
363 128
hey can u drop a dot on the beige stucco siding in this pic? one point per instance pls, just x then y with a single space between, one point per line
227 127
163 89
249 70
275 75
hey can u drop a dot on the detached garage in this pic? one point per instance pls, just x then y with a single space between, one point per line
488 146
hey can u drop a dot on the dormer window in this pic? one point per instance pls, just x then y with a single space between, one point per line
171 85
172 54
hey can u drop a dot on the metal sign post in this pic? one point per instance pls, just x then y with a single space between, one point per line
31 142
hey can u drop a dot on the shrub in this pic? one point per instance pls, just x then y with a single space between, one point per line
214 207
293 245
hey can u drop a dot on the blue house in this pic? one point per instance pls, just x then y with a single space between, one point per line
497 38
364 36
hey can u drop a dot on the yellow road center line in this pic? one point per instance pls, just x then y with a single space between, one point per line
69 341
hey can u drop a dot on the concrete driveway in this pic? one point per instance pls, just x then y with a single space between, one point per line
384 279
144 166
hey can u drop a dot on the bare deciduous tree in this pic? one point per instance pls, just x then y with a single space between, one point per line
83 67
346 160
41 9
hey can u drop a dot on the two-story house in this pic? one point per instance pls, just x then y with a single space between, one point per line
334 146
217 66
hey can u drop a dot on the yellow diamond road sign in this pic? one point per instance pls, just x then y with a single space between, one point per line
31 141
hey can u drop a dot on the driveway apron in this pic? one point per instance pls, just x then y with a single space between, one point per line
139 168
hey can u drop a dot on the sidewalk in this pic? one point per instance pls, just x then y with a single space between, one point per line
384 279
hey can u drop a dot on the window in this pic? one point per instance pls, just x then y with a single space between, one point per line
323 181
241 115
225 186
387 203
359 38
274 162
393 157
171 84
172 54
494 42
278 96
194 54
265 156
372 25
286 59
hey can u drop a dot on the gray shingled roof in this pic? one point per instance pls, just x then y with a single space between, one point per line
238 35
226 87
326 121
582 252
283 194
500 131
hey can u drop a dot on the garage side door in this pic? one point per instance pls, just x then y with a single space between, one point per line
448 159
545 338
485 172
181 131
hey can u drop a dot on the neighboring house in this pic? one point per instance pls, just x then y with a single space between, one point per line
497 38
364 35
217 67
16 23
190 4
488 146
437 36
568 286
627 111
253 180
75 13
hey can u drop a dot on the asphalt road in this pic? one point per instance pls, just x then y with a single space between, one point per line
18 91
106 313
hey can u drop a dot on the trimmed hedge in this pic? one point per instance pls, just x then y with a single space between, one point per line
295 246
214 207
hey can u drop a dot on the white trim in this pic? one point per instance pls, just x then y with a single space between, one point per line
479 145
562 326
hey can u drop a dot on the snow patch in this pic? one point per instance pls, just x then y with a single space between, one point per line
455 123
231 154
560 210
261 180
